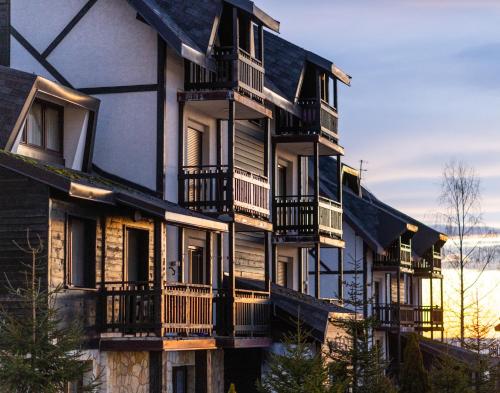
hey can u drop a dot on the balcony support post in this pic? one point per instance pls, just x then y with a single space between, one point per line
159 308
316 187
236 45
267 255
220 283
230 154
300 274
273 183
219 142
209 257
442 307
180 152
398 308
180 254
317 265
340 256
432 307
335 96
232 281
103 316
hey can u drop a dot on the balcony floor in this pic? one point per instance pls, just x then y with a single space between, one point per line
151 343
303 144
214 103
306 241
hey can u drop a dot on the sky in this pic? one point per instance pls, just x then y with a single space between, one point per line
425 90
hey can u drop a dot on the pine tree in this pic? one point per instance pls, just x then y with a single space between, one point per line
449 376
232 389
297 370
357 364
39 352
414 377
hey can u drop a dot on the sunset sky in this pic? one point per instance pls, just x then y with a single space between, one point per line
425 89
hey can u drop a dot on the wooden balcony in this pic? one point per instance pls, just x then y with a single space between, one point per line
397 257
207 189
138 308
318 118
423 318
252 313
427 318
430 265
390 315
235 70
297 218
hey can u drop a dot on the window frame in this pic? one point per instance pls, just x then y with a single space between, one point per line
175 376
60 111
125 263
92 273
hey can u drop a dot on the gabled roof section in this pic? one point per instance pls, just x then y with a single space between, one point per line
189 26
378 226
96 188
315 314
15 88
285 63
17 91
424 239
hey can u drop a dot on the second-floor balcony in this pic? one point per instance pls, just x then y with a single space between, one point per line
303 216
431 264
216 189
423 318
318 118
235 70
138 308
398 256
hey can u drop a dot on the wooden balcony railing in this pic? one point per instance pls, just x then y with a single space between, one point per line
431 262
235 70
252 313
295 214
317 118
140 308
392 315
427 317
396 256
206 189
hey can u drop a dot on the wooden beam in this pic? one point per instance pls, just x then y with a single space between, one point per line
180 254
317 276
160 115
267 256
232 280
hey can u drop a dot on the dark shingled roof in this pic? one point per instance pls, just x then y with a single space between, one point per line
284 63
315 314
378 226
192 23
15 86
92 186
376 219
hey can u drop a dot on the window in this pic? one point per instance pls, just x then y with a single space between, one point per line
137 255
196 265
81 252
43 127
179 377
285 272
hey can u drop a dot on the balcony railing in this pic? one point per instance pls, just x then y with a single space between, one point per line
428 317
317 118
252 313
206 189
295 215
431 263
235 70
141 308
396 256
392 315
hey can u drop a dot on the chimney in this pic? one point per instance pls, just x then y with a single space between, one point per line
5 32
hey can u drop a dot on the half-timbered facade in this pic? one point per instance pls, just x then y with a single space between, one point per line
175 150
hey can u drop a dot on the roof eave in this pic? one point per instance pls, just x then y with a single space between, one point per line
262 16
329 67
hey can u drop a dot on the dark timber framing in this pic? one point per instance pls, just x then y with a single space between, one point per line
119 89
5 33
160 116
72 23
38 57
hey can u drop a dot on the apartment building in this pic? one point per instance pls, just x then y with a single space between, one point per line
396 260
162 151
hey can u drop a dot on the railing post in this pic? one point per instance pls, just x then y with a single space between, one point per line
159 316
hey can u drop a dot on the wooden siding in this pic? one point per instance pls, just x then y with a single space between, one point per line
23 206
5 32
250 255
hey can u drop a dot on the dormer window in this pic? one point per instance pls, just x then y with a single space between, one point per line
43 128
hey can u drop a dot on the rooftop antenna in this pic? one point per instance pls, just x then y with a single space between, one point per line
361 170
